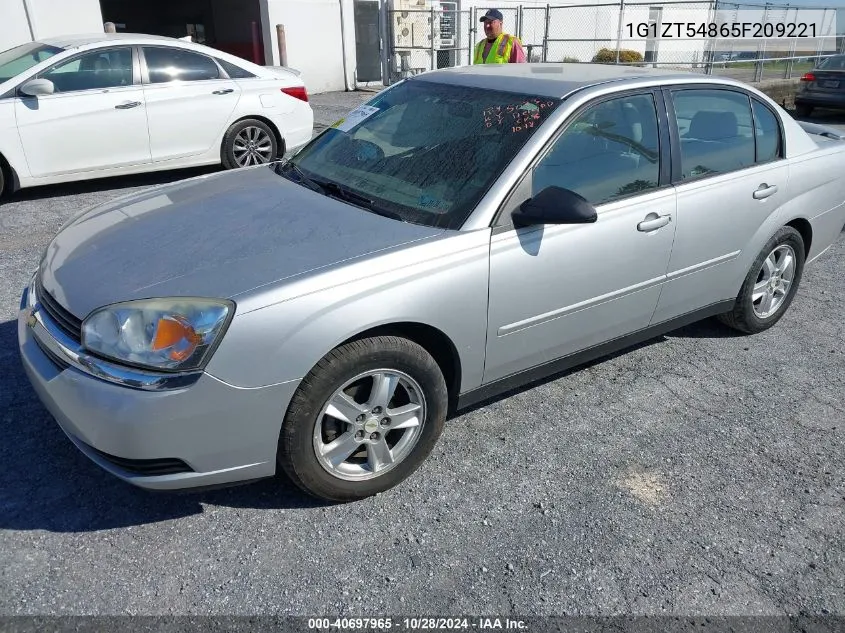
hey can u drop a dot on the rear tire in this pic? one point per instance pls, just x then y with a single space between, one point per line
247 143
364 419
770 285
803 110
2 179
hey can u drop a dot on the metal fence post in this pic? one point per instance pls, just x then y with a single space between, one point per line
711 55
619 29
790 63
431 36
546 34
519 22
758 66
386 42
470 35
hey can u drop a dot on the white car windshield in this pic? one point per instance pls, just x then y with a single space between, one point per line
422 152
21 58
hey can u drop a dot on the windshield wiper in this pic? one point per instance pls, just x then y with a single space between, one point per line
305 180
339 191
328 187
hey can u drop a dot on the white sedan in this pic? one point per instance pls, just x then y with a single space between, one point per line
85 107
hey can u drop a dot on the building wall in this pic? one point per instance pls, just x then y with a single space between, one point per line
313 40
14 28
49 18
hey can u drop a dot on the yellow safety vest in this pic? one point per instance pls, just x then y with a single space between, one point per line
500 51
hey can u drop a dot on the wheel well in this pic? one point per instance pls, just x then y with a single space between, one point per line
280 142
434 342
803 227
12 183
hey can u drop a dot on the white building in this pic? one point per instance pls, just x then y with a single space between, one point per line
320 35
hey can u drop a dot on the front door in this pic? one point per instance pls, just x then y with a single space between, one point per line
96 118
556 290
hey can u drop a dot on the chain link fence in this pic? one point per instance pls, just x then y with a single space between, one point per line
427 39
635 33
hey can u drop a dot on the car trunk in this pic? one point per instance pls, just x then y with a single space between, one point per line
830 81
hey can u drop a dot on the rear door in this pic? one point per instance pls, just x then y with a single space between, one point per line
731 180
189 101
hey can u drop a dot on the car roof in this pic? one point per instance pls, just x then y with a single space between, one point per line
85 39
550 79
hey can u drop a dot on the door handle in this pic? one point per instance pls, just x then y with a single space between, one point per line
127 104
764 191
225 91
652 222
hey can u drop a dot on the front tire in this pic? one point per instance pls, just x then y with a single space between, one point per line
364 419
247 143
770 285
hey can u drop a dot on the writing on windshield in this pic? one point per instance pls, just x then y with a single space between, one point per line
516 117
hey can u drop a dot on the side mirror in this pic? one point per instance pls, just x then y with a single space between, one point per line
37 87
554 205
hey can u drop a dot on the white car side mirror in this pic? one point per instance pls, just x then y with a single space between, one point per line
38 87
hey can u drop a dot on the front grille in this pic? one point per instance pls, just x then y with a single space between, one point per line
147 467
70 325
59 362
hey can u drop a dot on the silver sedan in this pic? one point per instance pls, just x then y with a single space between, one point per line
466 231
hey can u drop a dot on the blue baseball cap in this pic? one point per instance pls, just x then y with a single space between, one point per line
492 14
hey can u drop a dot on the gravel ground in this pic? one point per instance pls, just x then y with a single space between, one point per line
702 473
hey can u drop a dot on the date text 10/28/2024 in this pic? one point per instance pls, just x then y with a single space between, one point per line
416 624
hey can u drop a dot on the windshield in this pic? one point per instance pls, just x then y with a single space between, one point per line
21 58
421 152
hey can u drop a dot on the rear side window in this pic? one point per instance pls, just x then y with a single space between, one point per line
172 64
234 72
766 133
717 135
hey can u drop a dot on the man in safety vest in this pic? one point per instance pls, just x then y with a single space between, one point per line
499 47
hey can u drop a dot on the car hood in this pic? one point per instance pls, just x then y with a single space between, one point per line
213 236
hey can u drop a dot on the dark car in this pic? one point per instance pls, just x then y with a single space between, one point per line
822 87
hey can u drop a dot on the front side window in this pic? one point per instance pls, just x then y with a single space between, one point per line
716 131
422 151
172 64
19 59
609 151
95 70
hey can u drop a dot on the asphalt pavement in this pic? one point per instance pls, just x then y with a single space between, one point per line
701 473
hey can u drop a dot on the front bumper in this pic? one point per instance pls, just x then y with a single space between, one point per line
203 434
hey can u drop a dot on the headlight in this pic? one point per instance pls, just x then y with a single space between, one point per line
170 334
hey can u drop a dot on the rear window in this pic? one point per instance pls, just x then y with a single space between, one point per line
833 63
19 59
